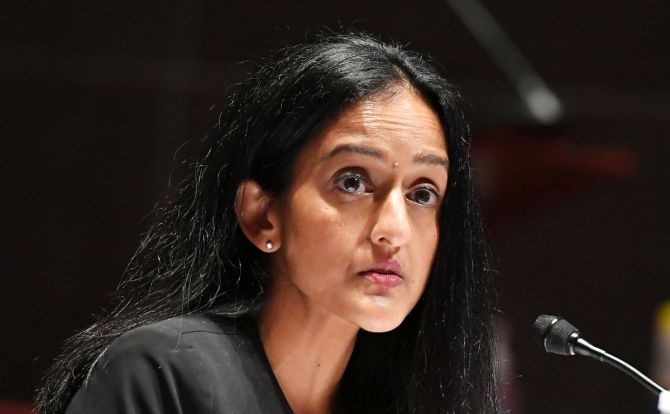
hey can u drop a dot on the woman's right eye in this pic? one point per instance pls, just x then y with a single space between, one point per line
353 183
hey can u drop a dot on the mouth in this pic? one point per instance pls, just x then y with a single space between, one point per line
386 274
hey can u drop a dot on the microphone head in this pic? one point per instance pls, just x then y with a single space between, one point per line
555 334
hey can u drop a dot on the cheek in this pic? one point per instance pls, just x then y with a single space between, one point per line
426 231
310 224
315 218
425 249
317 238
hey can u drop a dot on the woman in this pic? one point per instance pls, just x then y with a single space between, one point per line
325 255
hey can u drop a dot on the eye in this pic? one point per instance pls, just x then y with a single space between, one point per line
424 196
353 183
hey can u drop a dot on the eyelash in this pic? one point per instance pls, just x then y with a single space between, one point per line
340 179
431 191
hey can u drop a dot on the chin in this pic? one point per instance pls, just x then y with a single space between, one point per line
381 326
381 320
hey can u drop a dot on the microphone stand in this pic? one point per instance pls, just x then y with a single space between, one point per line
541 102
583 347
558 336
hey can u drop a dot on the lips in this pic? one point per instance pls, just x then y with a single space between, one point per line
386 274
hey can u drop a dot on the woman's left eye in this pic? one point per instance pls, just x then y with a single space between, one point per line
424 196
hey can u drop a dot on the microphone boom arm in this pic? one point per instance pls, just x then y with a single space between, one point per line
558 336
583 347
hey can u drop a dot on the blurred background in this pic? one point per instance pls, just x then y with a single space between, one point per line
571 118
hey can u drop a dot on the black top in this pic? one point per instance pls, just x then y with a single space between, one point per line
192 364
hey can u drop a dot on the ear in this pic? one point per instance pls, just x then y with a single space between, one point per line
257 214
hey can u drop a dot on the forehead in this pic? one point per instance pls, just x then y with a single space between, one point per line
401 122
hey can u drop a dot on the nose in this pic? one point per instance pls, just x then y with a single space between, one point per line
391 228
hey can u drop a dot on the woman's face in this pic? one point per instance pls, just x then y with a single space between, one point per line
359 224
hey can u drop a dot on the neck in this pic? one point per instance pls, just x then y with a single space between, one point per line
308 348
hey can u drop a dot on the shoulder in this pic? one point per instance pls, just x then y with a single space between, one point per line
175 365
184 331
180 340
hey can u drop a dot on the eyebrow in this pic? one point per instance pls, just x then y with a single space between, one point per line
358 149
432 159
422 158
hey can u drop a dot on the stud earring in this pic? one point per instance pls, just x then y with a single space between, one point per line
269 245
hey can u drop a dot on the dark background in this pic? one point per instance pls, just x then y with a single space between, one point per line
97 98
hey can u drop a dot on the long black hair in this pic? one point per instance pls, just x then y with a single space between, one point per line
194 258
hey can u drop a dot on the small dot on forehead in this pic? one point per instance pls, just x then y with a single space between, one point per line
395 164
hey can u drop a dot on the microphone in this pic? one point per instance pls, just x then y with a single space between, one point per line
558 336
